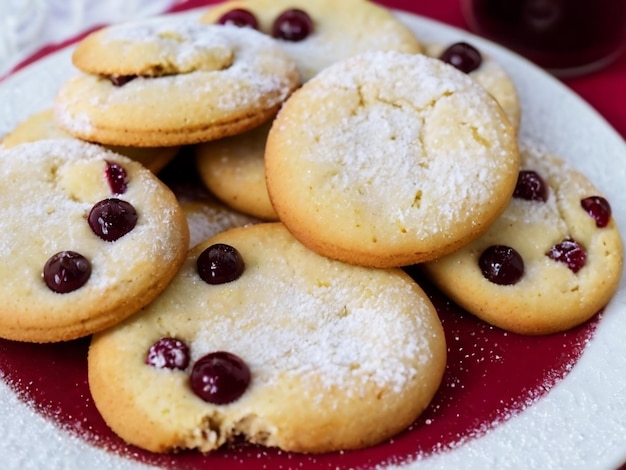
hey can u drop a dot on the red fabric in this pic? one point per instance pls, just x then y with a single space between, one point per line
604 90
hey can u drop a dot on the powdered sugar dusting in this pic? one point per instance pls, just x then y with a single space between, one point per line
351 325
258 67
49 189
212 75
580 424
413 122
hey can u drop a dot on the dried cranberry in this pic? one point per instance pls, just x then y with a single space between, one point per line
220 263
220 377
116 177
239 17
66 271
168 353
463 56
598 208
570 252
530 186
112 218
501 265
120 80
293 25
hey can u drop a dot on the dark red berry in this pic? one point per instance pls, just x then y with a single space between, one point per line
120 80
293 25
501 265
112 218
66 271
219 264
116 176
463 56
598 208
569 252
531 187
220 377
239 17
168 353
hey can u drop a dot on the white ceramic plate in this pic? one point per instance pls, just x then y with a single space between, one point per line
580 423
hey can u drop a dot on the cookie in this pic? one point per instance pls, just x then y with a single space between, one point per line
550 262
389 159
233 170
207 217
321 355
317 34
485 70
166 82
41 125
90 237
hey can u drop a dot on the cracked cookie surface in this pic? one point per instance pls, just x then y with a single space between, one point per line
388 159
561 286
496 80
326 343
48 190
166 82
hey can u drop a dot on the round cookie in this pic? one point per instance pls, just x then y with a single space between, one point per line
341 29
176 82
345 357
78 199
389 159
41 126
233 170
491 75
568 267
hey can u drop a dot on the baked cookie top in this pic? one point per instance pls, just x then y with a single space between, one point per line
41 126
172 81
90 237
550 262
316 343
233 169
485 70
388 159
321 32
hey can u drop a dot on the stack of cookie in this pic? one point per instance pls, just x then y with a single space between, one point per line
344 154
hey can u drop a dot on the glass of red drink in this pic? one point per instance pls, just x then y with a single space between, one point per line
566 37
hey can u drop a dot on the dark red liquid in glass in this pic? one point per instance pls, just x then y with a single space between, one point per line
564 36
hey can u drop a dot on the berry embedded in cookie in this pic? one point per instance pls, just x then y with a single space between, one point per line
485 70
66 271
293 25
98 236
296 351
168 82
389 159
219 264
219 377
321 32
550 262
463 56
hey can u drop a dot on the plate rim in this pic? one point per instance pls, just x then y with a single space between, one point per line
494 447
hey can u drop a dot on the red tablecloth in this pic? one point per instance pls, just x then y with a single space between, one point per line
604 90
